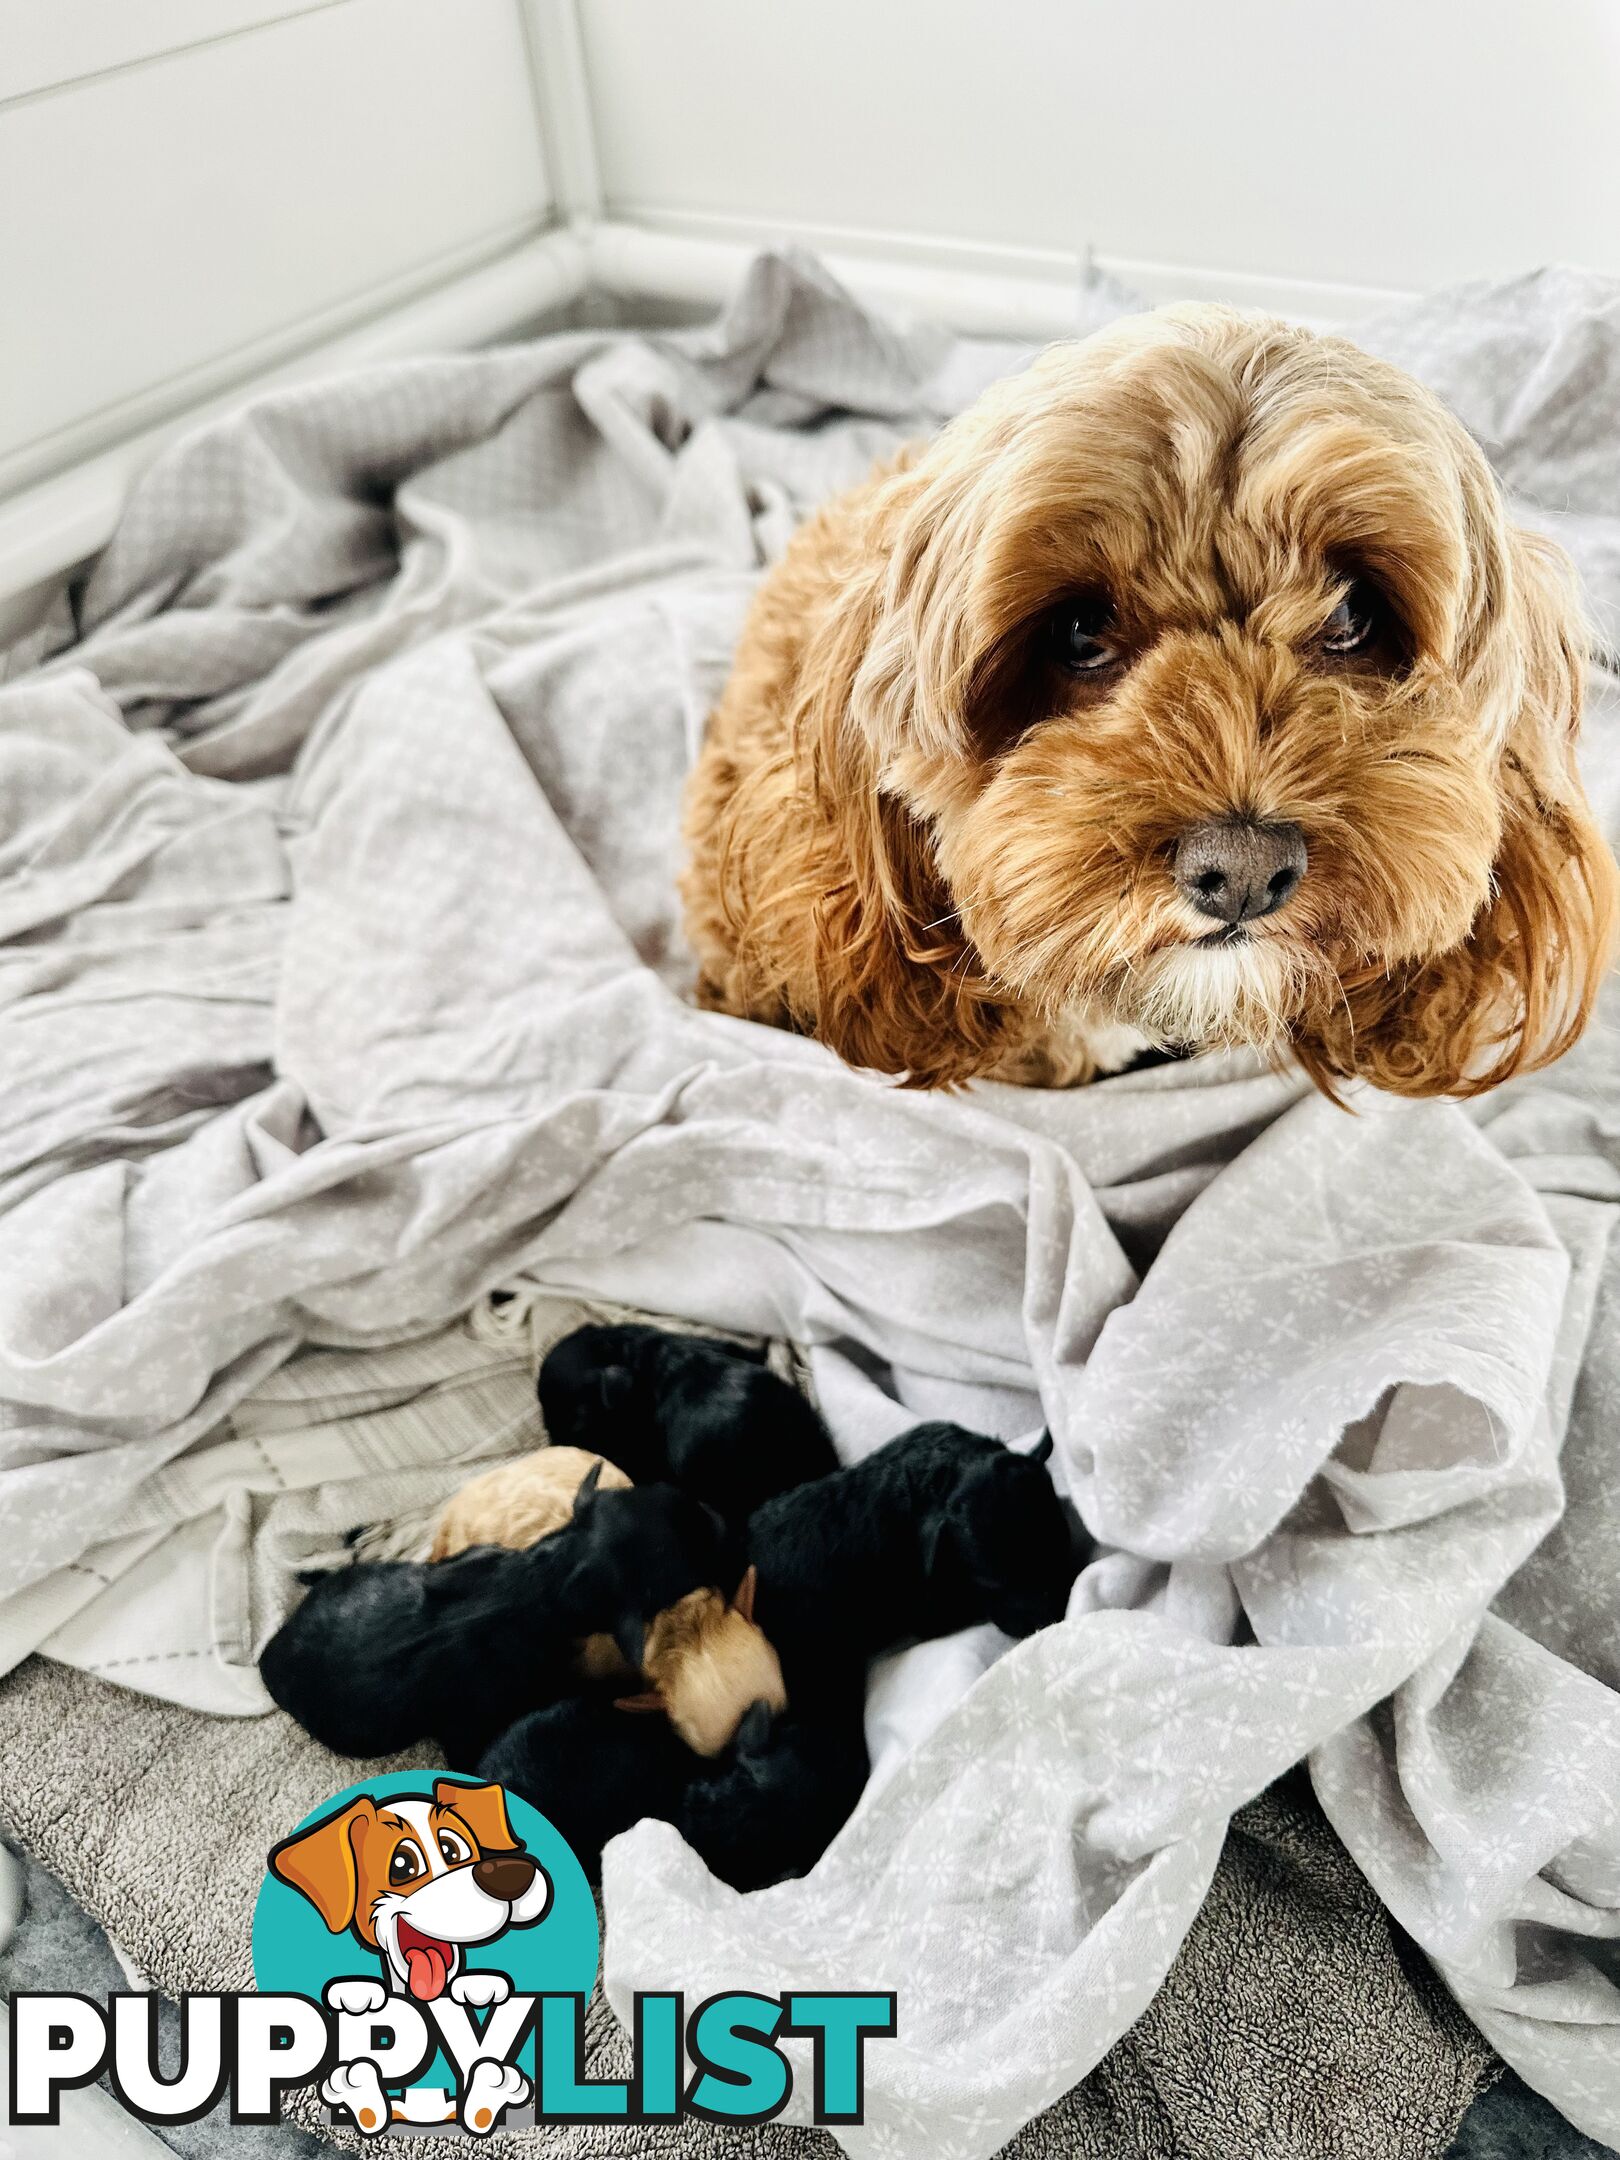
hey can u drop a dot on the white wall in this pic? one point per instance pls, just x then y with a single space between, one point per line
189 187
1391 144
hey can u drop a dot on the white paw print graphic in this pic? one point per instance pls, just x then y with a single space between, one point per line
357 2087
492 2088
355 1998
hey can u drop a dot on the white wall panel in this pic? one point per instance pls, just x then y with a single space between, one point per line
44 43
227 197
1384 143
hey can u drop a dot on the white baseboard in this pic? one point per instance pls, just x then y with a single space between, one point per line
970 285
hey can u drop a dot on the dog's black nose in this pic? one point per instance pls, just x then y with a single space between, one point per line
1235 870
504 1875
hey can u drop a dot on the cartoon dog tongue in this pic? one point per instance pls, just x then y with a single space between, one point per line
427 1963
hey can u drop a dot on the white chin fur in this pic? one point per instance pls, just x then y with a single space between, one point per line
1214 996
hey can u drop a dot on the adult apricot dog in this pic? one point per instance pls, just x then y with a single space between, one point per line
1192 688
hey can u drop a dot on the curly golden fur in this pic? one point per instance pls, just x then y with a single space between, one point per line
920 832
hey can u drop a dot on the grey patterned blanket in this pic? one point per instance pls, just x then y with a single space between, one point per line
342 984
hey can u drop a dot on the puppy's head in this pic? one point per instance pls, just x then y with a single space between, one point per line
587 1386
710 1668
1198 679
1000 1546
634 1551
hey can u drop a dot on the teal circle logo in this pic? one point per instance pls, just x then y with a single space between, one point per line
424 1888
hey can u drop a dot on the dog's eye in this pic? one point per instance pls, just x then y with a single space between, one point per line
405 1865
1082 635
453 1849
1353 623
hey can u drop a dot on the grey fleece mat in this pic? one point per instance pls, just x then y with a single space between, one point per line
1290 2025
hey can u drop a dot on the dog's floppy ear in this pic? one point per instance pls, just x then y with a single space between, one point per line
898 987
320 1863
1519 989
743 1602
483 1809
823 868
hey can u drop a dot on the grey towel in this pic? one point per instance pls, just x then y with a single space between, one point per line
1290 2027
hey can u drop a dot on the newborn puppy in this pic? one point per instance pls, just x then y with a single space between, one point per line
766 1810
706 1416
378 1656
518 1503
591 1771
939 1530
771 1807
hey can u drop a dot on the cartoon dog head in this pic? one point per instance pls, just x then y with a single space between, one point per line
415 1877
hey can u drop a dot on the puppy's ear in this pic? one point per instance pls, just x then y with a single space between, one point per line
743 1602
1521 987
952 1545
1042 1450
631 1636
615 1388
936 1545
320 1862
585 1492
753 1732
483 1809
650 1701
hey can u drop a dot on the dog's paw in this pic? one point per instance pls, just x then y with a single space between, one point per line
357 2087
356 1998
491 2089
479 1990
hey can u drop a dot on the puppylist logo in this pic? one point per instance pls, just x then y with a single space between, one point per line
424 1948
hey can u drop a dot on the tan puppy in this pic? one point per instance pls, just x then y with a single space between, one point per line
1192 688
705 1661
709 1664
518 1503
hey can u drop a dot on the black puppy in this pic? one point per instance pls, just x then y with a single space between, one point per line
707 1416
768 1808
936 1531
383 1654
592 1770
774 1803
